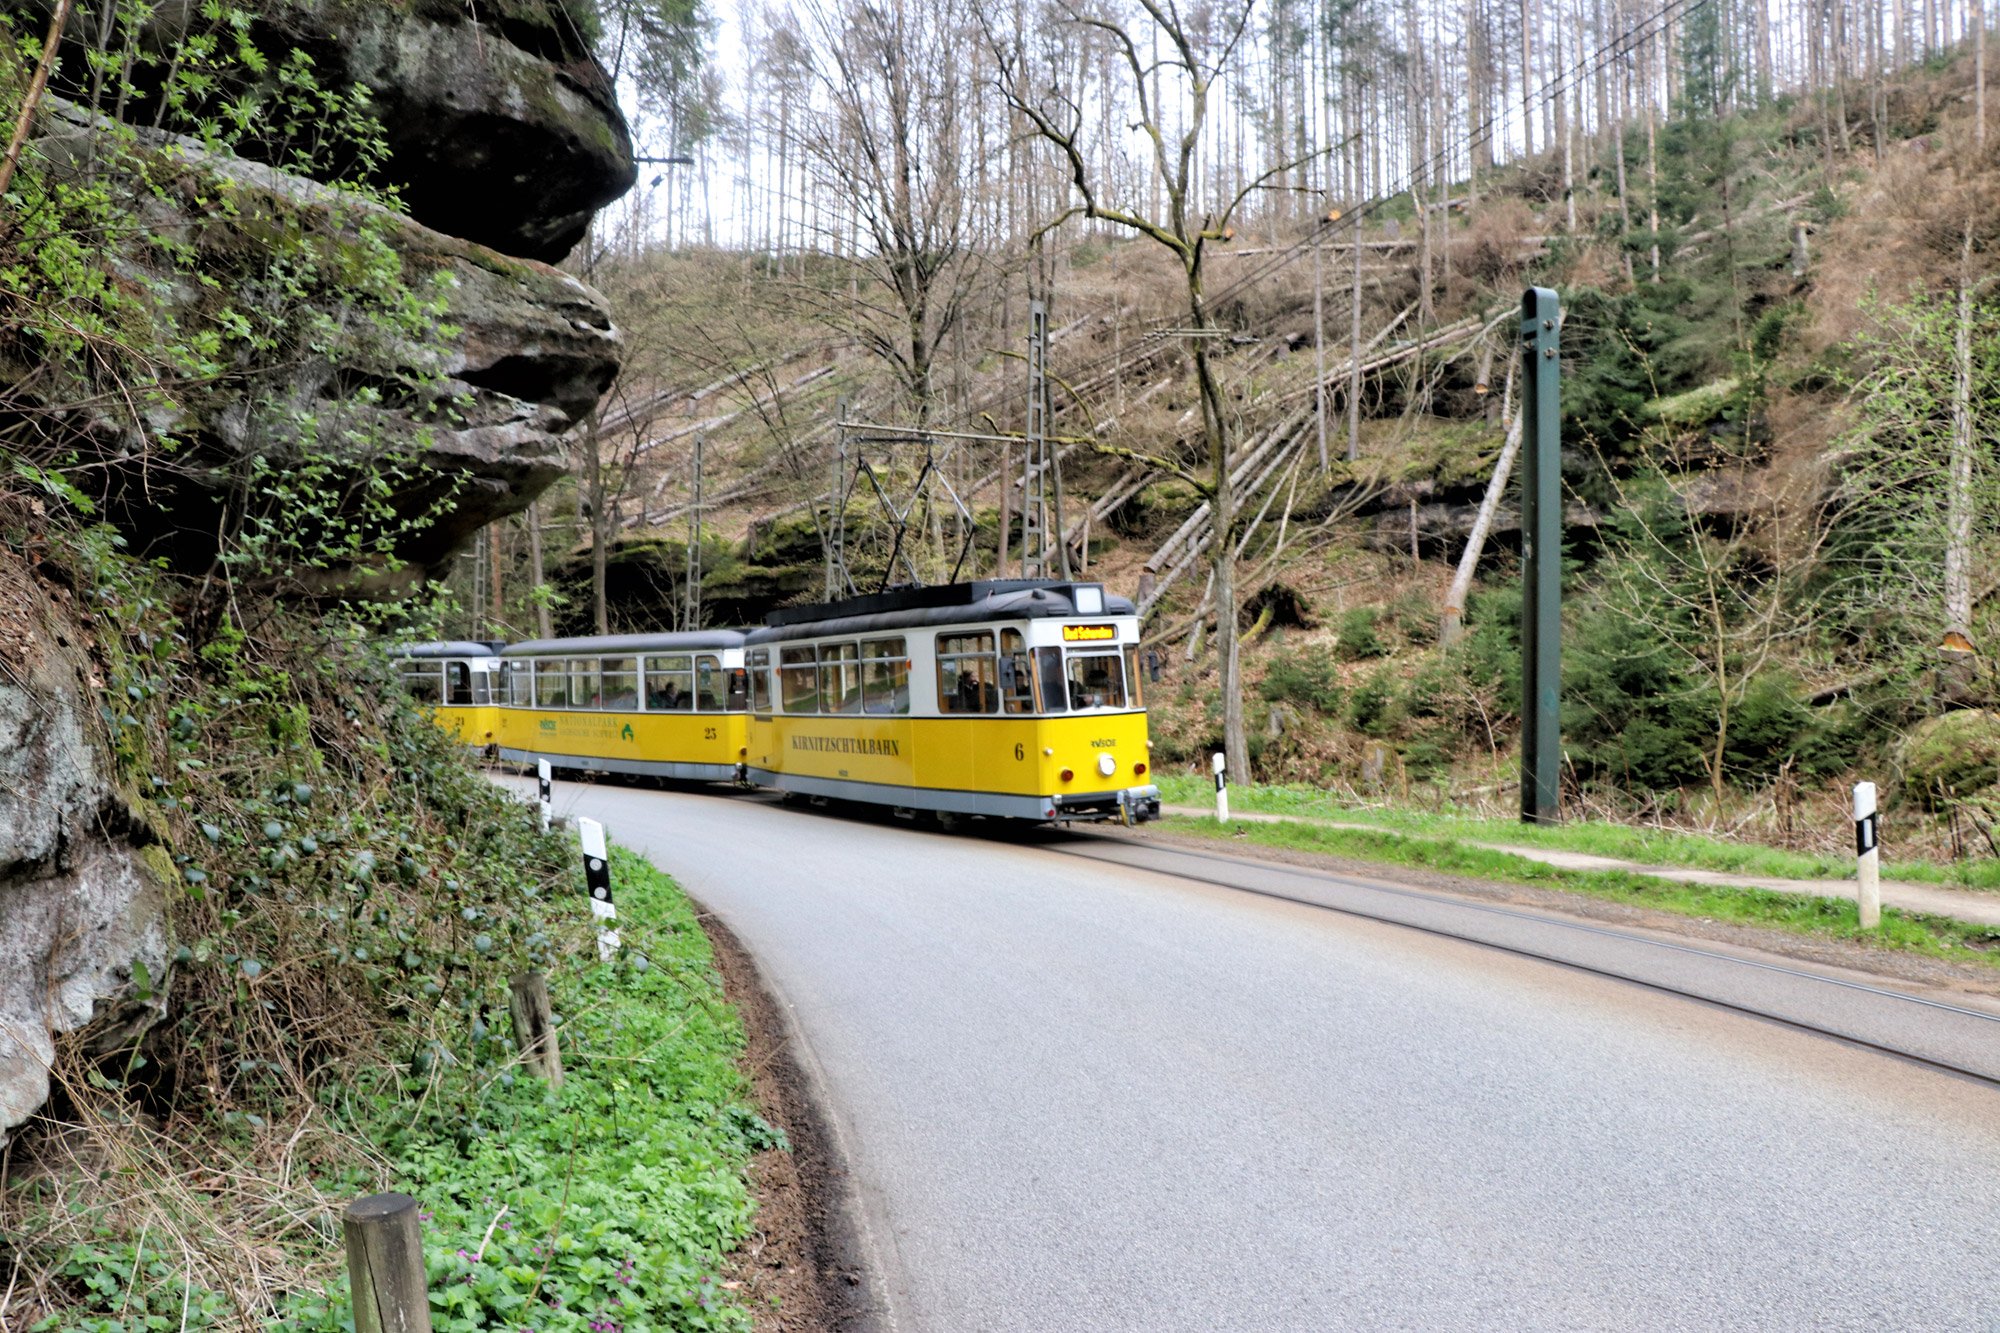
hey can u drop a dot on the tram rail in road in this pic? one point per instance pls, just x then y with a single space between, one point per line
1946 1036
1954 1038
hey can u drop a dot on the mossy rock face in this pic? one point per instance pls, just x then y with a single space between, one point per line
528 352
501 126
1953 755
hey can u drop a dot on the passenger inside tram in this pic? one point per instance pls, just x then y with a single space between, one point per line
973 693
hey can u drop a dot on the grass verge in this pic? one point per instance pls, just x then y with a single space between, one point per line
604 1207
1799 913
1625 842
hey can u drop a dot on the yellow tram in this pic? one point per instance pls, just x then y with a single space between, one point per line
657 705
457 681
1010 698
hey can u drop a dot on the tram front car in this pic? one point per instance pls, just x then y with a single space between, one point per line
1005 698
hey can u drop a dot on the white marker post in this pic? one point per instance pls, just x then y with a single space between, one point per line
542 774
1868 857
1221 788
597 874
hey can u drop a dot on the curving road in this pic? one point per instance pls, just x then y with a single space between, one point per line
1088 1084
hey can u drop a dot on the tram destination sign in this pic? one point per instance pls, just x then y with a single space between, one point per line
1089 633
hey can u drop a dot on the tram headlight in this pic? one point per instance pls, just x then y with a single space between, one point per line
1106 765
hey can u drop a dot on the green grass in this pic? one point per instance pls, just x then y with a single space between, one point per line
1646 846
621 1192
1803 914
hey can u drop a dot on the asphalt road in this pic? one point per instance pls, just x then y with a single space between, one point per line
1080 1090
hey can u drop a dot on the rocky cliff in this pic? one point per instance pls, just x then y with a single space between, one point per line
503 138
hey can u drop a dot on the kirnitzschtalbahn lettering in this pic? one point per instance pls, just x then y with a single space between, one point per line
846 745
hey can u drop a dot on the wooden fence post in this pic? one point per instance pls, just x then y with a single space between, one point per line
385 1263
534 1026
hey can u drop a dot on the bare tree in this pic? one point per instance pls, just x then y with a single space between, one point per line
1200 47
889 139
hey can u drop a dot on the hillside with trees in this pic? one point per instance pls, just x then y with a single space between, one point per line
1298 239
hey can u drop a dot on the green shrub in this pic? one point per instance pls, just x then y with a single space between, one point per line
1358 639
1415 616
1307 676
1376 707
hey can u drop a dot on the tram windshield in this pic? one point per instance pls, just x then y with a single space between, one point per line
1096 680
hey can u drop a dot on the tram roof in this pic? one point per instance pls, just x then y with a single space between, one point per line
446 648
599 644
940 604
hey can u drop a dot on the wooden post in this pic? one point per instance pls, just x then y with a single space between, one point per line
534 1026
385 1263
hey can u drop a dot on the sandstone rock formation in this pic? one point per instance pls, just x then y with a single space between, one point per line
504 139
83 922
502 128
533 350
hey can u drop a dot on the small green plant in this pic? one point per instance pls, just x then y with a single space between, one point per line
1305 676
1358 638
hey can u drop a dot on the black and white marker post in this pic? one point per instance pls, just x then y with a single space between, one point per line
548 803
597 875
1221 787
1867 858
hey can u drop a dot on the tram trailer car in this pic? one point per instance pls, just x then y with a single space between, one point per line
654 705
1008 698
459 682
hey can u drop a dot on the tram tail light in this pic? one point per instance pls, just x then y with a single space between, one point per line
1067 775
1139 770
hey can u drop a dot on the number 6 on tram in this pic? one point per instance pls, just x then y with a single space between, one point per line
1009 698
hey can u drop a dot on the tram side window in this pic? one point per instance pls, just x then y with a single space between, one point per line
798 679
482 688
839 678
458 683
583 690
423 683
670 684
1017 685
551 683
1133 676
520 678
1096 680
708 683
760 680
966 673
621 684
885 675
1049 675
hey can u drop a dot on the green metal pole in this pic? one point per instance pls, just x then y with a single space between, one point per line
1541 560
